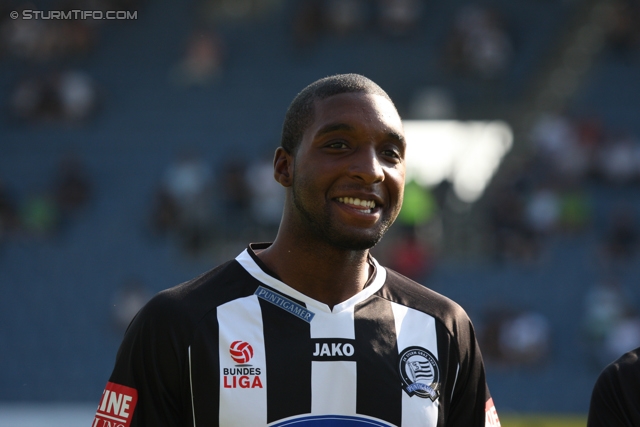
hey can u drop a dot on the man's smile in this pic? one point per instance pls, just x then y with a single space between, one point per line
365 206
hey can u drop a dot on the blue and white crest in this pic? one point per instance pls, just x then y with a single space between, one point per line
420 373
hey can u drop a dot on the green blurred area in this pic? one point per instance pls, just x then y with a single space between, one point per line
534 420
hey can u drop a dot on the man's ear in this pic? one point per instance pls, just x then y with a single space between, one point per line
283 167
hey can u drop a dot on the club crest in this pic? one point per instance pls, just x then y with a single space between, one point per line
420 373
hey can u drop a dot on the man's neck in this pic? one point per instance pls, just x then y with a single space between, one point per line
325 273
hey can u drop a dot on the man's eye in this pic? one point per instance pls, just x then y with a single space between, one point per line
337 144
391 153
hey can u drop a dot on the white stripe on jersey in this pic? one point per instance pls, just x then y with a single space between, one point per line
414 328
333 388
340 377
193 409
241 320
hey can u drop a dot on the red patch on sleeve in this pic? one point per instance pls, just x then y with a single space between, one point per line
491 415
116 406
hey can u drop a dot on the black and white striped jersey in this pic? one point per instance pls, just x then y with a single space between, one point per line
236 347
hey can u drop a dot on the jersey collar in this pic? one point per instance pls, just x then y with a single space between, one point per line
252 264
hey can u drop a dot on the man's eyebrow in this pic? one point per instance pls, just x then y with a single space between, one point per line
397 137
333 128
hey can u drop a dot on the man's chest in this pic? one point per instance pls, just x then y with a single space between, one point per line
264 362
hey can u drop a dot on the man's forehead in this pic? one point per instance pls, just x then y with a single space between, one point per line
352 105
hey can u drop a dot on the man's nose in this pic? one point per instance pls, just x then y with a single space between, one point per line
366 166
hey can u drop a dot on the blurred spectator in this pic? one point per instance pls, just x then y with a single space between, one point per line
189 184
70 96
619 159
623 336
41 40
410 256
516 337
575 207
203 61
479 43
605 305
344 17
590 134
307 24
590 131
164 213
127 301
555 141
30 98
26 38
9 220
230 11
399 18
418 207
39 215
267 196
621 238
77 95
514 237
432 104
552 134
235 196
188 180
622 27
542 211
72 187
525 339
611 321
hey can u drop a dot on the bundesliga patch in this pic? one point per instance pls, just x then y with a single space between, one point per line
420 373
116 406
242 375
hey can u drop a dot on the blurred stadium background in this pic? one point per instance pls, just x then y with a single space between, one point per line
135 154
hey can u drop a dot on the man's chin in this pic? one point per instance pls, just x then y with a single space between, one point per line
356 242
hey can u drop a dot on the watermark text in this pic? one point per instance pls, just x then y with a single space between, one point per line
75 14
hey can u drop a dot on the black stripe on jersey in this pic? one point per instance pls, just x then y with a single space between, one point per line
332 349
204 374
288 350
448 371
220 284
379 386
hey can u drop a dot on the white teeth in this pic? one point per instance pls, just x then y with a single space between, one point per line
369 204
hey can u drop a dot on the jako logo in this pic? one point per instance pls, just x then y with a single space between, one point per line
241 352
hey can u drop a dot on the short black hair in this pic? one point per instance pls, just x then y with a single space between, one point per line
300 113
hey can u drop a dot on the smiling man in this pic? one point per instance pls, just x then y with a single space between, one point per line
309 330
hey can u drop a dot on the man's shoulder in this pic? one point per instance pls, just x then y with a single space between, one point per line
630 361
405 291
195 298
626 369
408 292
616 386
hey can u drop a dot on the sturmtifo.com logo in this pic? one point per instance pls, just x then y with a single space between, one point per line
75 14
420 373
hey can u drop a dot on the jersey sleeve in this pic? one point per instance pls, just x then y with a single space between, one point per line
616 393
471 404
464 398
149 383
